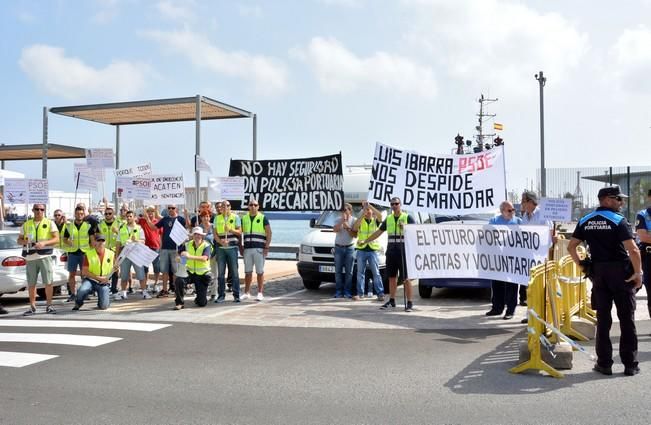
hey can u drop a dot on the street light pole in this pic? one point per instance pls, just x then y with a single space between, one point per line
543 175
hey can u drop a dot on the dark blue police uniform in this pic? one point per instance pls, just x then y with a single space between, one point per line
605 230
643 221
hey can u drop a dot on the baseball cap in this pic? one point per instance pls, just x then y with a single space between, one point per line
531 196
197 230
100 237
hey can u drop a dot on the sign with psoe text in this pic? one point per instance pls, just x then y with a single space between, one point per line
445 184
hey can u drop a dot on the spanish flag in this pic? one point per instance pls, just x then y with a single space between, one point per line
498 126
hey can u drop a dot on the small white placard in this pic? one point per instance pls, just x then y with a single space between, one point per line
554 209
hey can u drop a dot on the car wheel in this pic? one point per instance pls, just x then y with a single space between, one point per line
424 291
312 285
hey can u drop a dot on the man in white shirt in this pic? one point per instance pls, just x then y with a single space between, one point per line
532 215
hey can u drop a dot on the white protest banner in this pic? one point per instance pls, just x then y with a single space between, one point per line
16 191
137 171
137 188
178 233
556 209
230 188
301 184
100 158
504 253
140 254
444 184
167 189
200 164
38 191
85 178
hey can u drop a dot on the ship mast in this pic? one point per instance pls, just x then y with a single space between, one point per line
479 138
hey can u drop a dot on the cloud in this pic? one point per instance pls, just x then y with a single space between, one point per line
253 11
108 10
338 70
269 76
345 3
501 43
176 10
71 78
630 60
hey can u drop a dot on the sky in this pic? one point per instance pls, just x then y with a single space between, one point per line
328 76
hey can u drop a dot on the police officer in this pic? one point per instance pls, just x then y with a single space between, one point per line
615 274
643 229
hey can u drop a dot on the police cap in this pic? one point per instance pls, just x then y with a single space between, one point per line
611 191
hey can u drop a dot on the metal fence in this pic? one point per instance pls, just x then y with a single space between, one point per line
582 184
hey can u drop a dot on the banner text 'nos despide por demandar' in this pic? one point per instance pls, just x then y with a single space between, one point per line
459 184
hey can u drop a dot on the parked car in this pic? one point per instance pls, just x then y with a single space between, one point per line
12 266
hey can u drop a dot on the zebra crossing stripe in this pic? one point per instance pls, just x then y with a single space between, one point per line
10 359
88 324
63 339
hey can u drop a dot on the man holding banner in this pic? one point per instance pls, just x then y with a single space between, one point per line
227 229
131 232
370 219
504 293
532 215
394 225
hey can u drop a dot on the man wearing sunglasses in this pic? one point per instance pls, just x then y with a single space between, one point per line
394 225
643 230
109 227
616 275
504 293
167 255
38 235
78 237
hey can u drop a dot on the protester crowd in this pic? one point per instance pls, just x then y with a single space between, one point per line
93 247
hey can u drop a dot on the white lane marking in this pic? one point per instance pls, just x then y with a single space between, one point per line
11 359
90 324
64 339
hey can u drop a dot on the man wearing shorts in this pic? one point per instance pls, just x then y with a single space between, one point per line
167 254
38 235
131 232
394 226
256 236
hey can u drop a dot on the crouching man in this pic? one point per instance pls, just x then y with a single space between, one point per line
97 268
196 257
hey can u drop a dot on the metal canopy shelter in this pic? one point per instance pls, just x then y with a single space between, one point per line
195 108
35 151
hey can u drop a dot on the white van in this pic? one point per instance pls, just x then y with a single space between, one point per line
316 259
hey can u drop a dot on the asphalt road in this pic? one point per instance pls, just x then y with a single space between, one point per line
195 373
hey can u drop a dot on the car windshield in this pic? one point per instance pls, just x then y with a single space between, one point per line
328 219
8 241
442 218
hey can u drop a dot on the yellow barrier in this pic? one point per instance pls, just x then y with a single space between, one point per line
536 300
571 297
557 292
